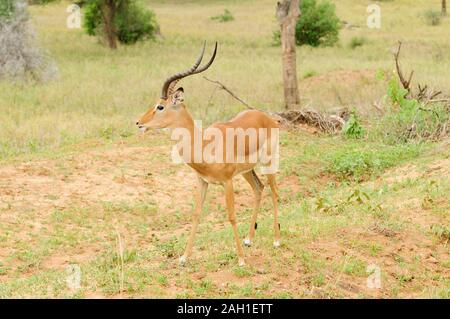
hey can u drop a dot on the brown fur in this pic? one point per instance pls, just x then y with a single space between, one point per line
176 115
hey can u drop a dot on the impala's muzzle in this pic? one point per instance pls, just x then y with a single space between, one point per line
142 128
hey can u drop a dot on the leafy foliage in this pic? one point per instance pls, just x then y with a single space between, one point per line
133 22
353 128
432 17
318 24
410 120
6 8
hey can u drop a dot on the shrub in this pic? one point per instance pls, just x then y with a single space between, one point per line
224 17
409 120
357 42
6 8
432 17
136 23
20 57
133 22
318 23
353 128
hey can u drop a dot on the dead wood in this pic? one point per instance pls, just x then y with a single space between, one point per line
424 93
329 123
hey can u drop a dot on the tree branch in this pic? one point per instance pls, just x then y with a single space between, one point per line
223 87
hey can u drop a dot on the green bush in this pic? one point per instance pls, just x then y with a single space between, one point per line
432 17
318 24
409 120
133 22
6 8
226 16
353 128
136 23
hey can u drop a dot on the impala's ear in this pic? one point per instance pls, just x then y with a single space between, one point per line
178 96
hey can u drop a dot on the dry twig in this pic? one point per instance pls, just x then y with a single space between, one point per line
329 123
424 94
223 87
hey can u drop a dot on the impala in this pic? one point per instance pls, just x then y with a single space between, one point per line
171 112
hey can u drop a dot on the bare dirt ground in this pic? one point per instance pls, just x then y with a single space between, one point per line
31 193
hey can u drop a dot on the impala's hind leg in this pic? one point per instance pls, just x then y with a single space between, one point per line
276 225
257 187
199 200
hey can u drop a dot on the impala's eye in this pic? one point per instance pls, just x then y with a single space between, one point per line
160 107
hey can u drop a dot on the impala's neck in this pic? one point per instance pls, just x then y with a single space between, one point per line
195 139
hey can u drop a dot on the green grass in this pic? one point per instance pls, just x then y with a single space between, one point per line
354 161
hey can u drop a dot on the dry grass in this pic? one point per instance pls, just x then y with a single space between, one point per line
85 102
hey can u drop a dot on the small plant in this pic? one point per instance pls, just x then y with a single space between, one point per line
226 16
318 280
432 17
353 128
441 231
357 42
168 248
309 74
410 120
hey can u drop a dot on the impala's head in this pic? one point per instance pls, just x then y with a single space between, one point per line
170 108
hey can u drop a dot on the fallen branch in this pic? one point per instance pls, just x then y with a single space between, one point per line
223 87
328 123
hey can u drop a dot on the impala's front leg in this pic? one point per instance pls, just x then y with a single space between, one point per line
199 200
229 195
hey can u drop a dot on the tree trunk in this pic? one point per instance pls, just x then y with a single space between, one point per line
288 12
109 13
444 8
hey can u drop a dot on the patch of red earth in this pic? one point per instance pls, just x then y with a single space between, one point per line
128 173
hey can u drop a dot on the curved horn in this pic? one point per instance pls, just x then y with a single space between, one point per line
207 65
178 76
203 68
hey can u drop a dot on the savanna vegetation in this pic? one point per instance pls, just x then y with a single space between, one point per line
79 186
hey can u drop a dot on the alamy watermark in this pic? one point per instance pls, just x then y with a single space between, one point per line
73 21
73 278
374 18
374 279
